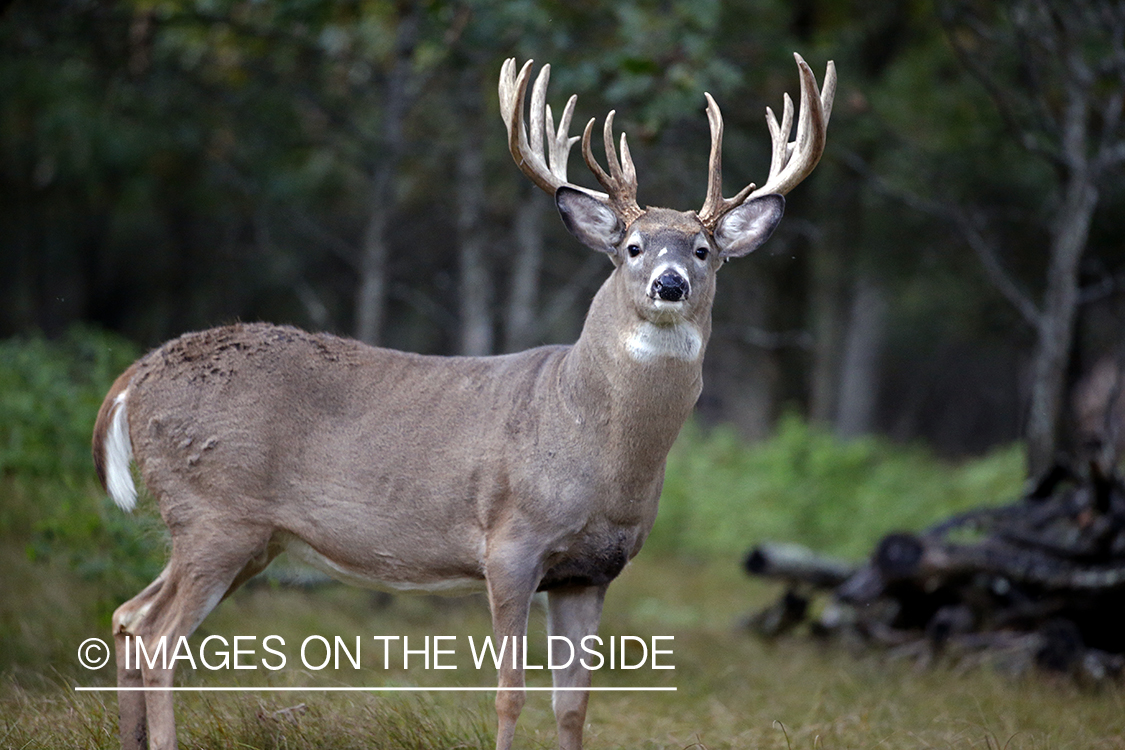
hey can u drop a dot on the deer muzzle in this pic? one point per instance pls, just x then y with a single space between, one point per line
670 287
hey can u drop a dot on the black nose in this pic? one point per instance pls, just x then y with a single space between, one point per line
670 287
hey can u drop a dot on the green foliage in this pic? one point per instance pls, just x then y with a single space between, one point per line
50 392
722 495
59 533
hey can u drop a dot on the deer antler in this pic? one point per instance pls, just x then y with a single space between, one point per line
621 182
549 173
528 152
791 162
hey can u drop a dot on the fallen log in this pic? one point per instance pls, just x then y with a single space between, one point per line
1046 572
902 557
795 564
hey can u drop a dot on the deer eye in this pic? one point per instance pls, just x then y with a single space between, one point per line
702 252
633 250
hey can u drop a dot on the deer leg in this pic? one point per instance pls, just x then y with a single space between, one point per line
510 589
574 613
199 575
255 565
131 705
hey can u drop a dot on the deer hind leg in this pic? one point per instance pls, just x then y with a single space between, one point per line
202 571
131 705
574 613
510 589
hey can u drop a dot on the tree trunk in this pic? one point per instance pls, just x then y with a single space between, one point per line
744 380
475 288
1056 326
829 259
825 271
371 298
371 295
521 321
859 370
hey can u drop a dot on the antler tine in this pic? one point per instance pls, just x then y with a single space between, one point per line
715 205
790 163
588 153
512 90
526 142
538 101
628 170
621 182
779 135
561 143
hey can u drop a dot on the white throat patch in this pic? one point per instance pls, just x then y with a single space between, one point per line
647 342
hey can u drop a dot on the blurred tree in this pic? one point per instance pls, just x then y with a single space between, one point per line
400 89
339 164
1056 73
852 262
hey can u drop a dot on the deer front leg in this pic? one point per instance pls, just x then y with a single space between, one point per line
574 613
511 585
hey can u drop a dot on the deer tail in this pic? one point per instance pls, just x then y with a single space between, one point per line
112 446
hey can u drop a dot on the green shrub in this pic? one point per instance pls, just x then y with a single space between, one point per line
68 553
50 392
723 495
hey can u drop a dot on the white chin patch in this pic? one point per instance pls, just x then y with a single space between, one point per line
664 313
648 342
668 305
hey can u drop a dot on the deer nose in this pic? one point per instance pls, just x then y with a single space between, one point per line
670 287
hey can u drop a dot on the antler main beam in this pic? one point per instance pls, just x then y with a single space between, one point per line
791 162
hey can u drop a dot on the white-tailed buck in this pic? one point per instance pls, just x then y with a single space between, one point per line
537 471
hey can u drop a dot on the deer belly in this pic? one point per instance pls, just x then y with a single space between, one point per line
422 584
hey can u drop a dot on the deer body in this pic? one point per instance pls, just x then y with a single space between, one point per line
513 474
275 425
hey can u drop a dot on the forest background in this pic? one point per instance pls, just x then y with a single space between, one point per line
948 272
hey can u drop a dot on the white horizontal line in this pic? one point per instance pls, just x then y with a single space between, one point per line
81 689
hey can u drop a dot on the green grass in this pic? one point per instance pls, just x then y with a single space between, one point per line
733 691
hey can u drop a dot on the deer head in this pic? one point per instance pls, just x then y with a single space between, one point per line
665 260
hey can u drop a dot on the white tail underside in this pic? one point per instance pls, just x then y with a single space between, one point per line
118 456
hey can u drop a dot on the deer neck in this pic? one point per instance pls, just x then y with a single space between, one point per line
633 376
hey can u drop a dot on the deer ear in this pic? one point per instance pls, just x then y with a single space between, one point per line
744 229
593 222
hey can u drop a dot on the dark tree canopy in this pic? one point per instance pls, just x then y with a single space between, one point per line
949 272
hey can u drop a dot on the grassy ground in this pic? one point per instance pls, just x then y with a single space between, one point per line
732 690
